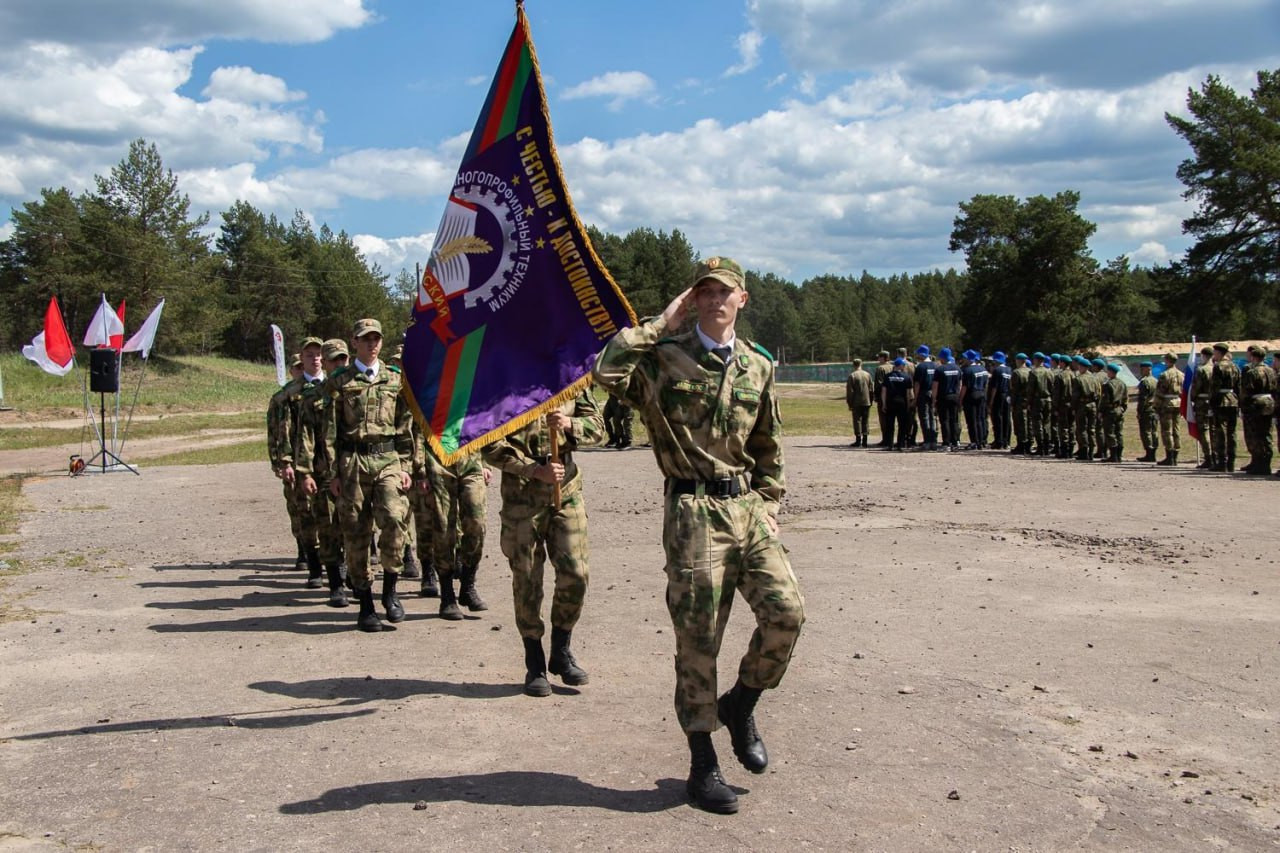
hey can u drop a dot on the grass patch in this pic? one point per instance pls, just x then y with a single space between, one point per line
165 426
11 505
247 451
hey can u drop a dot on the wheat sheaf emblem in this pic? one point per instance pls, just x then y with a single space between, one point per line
462 246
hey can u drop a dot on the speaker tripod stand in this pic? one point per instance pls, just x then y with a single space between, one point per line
104 378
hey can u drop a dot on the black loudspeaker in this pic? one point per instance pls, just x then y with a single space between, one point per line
104 371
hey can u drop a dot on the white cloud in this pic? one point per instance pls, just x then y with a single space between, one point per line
131 23
748 53
621 86
1151 253
246 86
965 45
396 253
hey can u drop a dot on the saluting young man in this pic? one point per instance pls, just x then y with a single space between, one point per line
707 398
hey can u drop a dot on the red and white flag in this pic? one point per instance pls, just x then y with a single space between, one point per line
51 349
106 329
145 337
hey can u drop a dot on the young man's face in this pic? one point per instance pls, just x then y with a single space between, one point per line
312 357
339 360
718 304
367 347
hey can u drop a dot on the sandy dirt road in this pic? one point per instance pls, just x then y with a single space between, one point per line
1001 654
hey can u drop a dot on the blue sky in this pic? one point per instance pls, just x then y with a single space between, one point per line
801 136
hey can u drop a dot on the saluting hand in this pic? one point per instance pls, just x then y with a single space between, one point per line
678 310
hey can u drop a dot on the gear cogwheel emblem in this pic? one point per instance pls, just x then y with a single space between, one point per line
482 197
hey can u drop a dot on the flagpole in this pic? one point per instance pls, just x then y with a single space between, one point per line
132 405
555 458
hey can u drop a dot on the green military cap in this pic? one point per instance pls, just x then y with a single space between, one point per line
725 270
334 347
1257 351
1222 348
366 326
295 360
1171 358
1206 350
311 342
884 353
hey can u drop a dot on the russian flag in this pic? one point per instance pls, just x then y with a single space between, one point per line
1188 410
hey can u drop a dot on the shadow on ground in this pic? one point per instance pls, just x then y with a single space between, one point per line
506 788
355 691
249 721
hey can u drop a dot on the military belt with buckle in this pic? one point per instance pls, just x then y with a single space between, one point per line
727 487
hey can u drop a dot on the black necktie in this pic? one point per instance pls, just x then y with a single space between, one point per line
723 352
369 372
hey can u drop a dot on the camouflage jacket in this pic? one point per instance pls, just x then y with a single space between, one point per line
1258 386
707 420
1115 395
857 389
1225 385
309 455
1086 389
367 420
1202 384
1018 382
1040 384
517 455
1146 393
1169 389
282 424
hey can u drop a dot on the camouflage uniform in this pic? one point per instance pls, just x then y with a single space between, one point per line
713 425
319 511
882 370
1202 399
857 396
1258 386
281 427
1169 408
534 528
367 433
1018 382
1225 389
617 423
1086 392
1115 399
1148 417
455 506
1040 405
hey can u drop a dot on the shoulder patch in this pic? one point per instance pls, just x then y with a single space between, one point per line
764 352
666 340
393 368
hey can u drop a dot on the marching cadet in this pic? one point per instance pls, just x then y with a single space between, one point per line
617 423
708 400
1098 368
1202 398
857 396
1115 399
1085 393
535 528
1040 403
423 517
412 567
1064 417
1169 405
1225 390
315 471
1148 416
281 426
456 507
1258 387
367 434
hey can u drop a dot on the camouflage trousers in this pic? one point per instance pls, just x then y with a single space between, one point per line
418 525
1224 434
1018 409
1204 424
1170 430
532 531
1257 438
291 506
1087 429
1100 430
1149 428
319 526
371 497
456 508
1113 428
1039 414
716 547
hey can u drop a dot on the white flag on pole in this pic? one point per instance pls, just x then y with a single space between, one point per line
145 337
105 325
277 346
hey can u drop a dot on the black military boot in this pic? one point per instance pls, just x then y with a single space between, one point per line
535 668
430 587
467 595
448 600
562 663
1149 456
337 588
368 619
315 571
706 787
735 710
390 601
411 570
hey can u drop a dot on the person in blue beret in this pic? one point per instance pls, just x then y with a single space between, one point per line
946 400
973 399
896 398
922 387
998 402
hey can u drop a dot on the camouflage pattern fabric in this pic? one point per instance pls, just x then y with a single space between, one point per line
534 528
456 508
1148 417
1018 382
1168 405
1202 398
1085 405
1225 389
712 420
366 430
281 426
1115 400
1258 385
